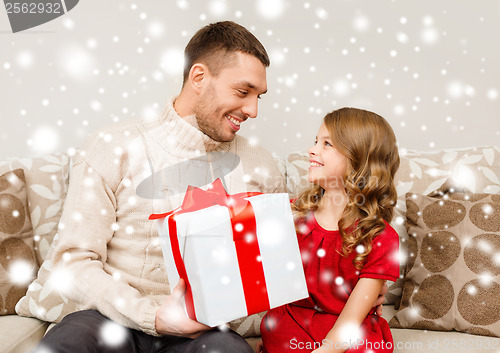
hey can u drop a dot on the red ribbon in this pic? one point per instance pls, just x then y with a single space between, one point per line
245 238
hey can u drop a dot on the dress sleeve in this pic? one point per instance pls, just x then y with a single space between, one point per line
383 260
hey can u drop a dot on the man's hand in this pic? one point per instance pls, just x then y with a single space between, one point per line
171 319
380 300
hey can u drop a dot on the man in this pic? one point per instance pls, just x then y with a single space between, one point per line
107 244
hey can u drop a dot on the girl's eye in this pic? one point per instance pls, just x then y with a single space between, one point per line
327 143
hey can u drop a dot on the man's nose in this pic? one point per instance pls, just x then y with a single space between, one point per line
251 108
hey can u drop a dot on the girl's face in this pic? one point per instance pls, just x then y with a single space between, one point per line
328 166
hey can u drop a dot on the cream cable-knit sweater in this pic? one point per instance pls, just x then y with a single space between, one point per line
107 244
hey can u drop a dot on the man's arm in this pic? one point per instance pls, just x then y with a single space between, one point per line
85 230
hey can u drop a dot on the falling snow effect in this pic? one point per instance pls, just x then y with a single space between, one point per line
425 72
350 333
113 334
21 272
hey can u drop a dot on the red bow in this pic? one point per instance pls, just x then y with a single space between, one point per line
197 199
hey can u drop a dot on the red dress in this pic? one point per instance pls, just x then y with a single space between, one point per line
330 279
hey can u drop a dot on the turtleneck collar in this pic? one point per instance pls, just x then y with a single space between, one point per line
185 132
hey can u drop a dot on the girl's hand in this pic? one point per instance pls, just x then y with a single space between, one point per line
259 347
358 305
380 300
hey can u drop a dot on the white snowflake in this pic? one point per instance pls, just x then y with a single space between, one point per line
361 22
21 272
351 333
271 9
44 140
25 59
492 94
218 7
113 334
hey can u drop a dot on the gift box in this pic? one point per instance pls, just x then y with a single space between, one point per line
238 254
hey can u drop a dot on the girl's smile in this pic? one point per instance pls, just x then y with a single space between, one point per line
327 165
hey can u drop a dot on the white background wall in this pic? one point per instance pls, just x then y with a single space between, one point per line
430 67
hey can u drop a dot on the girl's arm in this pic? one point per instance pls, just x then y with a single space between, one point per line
355 311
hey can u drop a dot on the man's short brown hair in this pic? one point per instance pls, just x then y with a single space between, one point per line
214 44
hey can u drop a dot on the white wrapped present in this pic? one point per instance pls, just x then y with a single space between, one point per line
238 254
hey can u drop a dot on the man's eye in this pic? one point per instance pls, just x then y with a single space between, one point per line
242 92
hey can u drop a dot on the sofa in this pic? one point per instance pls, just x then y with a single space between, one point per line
447 215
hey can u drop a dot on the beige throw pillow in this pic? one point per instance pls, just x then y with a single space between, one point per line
476 169
248 326
452 277
47 184
18 263
44 299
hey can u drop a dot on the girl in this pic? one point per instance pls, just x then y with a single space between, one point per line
348 248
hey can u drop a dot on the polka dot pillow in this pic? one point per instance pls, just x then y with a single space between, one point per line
18 263
452 277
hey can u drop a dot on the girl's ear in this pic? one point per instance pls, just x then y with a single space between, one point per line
198 77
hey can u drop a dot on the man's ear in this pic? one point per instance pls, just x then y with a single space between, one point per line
198 77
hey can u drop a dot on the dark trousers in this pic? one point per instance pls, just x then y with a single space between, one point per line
90 332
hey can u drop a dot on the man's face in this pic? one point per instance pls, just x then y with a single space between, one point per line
231 97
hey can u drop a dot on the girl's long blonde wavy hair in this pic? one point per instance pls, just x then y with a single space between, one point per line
369 144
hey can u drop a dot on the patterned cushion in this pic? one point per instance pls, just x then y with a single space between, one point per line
47 182
248 326
452 277
17 258
44 299
420 172
476 169
47 177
